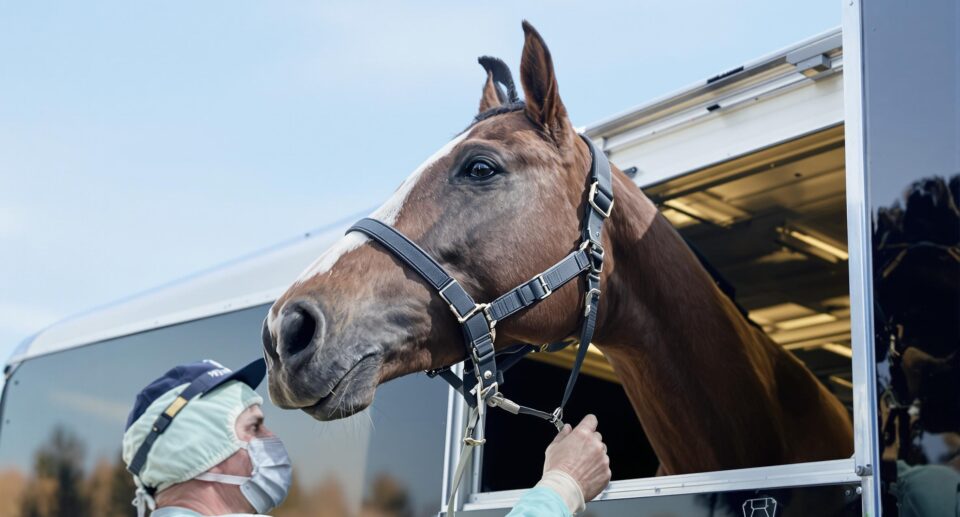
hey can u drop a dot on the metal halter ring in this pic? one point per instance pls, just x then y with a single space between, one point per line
593 193
476 308
483 394
557 419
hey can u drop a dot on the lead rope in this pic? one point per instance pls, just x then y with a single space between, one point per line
466 455
470 441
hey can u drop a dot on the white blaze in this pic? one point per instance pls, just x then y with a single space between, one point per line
387 213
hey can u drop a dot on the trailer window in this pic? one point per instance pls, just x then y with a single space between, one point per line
774 225
64 417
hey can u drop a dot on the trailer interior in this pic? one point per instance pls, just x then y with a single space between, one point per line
773 223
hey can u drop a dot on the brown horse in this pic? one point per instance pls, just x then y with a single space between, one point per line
499 204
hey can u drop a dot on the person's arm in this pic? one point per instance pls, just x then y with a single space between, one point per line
576 470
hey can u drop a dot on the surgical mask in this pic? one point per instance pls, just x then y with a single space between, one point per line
272 475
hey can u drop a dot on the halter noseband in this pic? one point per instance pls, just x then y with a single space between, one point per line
478 320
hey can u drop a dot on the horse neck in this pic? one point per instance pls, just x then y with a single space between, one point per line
697 373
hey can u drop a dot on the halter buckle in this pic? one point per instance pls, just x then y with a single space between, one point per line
596 252
590 198
588 305
490 320
546 288
598 247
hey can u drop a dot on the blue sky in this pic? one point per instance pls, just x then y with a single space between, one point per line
140 142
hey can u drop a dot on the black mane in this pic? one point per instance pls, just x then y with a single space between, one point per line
499 110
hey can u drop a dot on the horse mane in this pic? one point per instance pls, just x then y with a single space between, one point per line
499 110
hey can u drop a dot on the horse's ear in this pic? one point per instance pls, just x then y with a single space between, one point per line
543 104
498 73
490 98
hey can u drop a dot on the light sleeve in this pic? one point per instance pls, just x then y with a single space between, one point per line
540 501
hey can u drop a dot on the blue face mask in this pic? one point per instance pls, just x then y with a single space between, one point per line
268 484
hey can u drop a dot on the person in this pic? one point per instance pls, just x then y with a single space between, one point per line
197 444
576 470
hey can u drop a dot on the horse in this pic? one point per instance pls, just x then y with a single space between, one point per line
501 202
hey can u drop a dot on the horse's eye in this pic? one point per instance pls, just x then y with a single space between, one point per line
480 169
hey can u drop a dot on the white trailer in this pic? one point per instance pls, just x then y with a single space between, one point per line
775 170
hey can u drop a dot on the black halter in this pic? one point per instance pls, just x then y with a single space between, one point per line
478 320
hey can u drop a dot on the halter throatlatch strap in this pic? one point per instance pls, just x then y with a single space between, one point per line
478 320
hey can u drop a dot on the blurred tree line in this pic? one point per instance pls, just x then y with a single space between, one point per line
59 486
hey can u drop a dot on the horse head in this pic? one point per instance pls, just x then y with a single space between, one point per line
498 204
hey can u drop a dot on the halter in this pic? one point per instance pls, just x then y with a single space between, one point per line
478 321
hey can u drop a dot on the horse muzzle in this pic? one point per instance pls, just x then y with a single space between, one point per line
306 372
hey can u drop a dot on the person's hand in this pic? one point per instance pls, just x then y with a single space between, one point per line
580 452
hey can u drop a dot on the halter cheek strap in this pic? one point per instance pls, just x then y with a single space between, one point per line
478 320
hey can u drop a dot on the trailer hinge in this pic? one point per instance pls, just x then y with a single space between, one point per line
813 66
864 470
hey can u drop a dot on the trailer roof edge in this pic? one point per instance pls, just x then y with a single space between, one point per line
821 43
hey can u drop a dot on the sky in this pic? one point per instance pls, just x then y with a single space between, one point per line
141 142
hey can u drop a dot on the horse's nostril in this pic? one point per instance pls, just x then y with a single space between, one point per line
297 329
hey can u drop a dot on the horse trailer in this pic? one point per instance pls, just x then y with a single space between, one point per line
819 183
